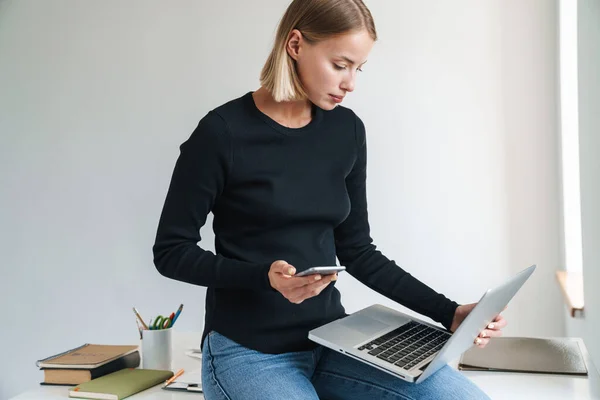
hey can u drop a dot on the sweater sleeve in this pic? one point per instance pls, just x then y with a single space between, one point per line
355 250
199 178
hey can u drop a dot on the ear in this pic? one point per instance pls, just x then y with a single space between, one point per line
294 44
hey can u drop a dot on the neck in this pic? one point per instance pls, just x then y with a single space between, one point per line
292 114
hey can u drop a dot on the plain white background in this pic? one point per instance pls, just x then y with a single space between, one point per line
588 63
460 104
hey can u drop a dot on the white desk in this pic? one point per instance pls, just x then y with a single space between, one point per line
498 385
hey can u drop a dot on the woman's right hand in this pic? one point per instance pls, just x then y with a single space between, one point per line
296 288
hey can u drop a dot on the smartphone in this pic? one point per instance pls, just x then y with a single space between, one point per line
325 270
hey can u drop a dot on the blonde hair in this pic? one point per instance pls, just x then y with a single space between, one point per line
317 20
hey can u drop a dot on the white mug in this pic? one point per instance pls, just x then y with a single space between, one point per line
156 349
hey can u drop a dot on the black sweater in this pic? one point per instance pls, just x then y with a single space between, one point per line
276 193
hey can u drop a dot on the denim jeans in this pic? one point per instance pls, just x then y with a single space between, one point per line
231 371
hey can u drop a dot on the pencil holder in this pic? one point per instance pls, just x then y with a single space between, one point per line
156 349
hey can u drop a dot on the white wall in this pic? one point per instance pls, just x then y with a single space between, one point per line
459 101
464 167
588 48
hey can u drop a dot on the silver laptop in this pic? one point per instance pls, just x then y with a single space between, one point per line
405 346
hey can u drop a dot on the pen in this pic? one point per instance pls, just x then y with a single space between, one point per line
177 375
177 314
137 314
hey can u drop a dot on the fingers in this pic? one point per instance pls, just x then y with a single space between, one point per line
494 329
282 267
498 323
296 288
285 270
297 282
282 279
490 333
300 294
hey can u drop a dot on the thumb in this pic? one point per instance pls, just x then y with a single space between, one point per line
284 268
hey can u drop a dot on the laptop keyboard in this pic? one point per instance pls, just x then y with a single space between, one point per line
408 345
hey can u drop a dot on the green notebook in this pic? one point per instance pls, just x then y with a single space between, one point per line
120 384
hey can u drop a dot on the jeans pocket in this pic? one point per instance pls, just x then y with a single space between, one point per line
220 344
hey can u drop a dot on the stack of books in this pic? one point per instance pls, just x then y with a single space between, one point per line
87 362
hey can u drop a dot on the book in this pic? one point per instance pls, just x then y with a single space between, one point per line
518 354
72 377
121 384
87 356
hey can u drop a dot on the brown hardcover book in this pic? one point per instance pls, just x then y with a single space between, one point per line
72 377
88 356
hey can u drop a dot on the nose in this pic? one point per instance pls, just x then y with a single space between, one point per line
348 83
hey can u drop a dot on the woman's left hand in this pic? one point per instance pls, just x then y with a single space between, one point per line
494 328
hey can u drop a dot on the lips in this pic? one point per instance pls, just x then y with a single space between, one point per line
337 99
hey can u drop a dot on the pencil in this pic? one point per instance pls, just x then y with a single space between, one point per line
177 375
139 328
137 314
177 314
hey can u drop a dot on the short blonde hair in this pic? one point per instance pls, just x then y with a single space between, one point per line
317 20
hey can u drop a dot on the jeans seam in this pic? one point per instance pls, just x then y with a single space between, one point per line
366 383
212 370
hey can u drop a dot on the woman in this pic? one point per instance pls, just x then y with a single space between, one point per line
283 170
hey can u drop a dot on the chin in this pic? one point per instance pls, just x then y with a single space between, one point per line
322 102
326 105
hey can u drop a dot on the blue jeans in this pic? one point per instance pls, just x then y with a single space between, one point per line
231 371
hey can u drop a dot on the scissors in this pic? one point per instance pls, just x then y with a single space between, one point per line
162 322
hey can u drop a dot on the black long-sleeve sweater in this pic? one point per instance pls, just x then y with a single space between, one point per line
276 193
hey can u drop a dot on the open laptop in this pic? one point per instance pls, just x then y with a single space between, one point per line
406 347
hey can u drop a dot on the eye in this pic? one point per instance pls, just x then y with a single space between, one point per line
338 67
359 70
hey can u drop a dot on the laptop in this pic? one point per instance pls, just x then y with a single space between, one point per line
407 347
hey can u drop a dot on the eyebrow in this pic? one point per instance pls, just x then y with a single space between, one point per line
350 61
